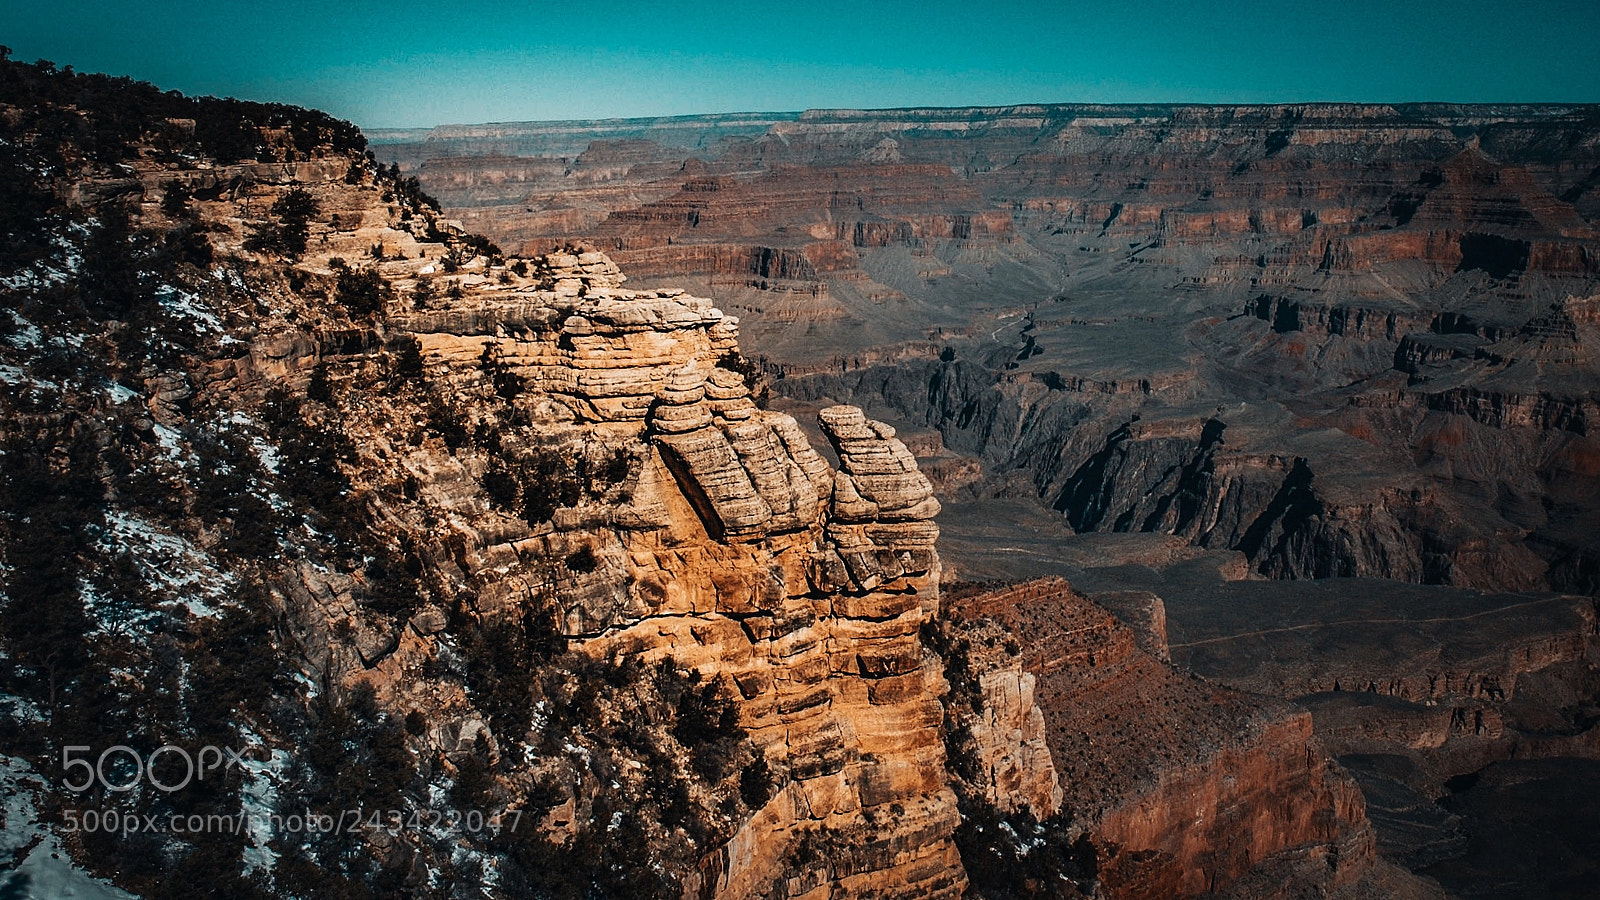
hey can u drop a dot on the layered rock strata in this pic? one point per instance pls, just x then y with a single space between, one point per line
1324 265
504 535
742 554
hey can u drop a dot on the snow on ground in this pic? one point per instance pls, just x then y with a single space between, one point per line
185 305
304 680
19 820
19 710
24 334
267 453
48 874
259 799
42 276
33 865
120 394
231 277
174 566
170 443
63 267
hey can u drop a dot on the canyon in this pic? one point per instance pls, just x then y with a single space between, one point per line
1319 378
512 555
1045 501
1312 332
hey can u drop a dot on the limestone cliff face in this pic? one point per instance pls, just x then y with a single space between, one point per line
658 518
741 553
504 535
995 704
1011 743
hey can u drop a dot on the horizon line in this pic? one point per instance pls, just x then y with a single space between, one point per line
1170 104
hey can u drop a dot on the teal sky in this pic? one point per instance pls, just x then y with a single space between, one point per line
408 63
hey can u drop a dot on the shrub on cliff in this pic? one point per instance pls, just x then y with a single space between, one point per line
502 488
1012 856
410 193
611 731
550 482
506 383
224 497
310 474
755 783
174 199
289 229
504 660
361 291
408 364
393 588
754 379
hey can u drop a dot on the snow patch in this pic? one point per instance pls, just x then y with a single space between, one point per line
186 305
259 799
304 680
24 334
47 872
174 566
63 268
19 819
33 279
168 439
270 458
121 394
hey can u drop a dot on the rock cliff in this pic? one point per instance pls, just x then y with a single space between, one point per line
740 553
1185 787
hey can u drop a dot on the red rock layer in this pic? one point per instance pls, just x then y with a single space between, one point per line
1184 786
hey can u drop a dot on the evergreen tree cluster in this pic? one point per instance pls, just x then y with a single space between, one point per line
106 118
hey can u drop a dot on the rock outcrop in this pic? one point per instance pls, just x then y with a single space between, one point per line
1182 786
741 554
420 527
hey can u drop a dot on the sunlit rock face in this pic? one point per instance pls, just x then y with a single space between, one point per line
738 552
529 527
